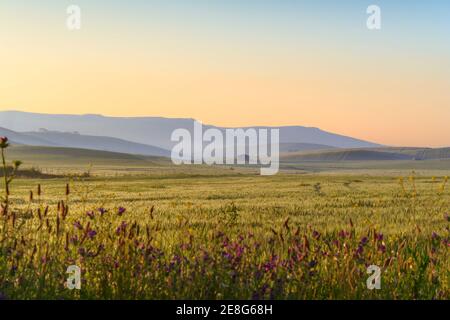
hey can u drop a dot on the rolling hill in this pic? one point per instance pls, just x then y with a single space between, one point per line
45 156
76 140
345 155
297 147
19 138
373 154
422 153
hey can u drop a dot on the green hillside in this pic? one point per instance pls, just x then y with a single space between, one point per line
45 156
373 154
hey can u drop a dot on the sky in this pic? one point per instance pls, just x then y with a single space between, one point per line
236 63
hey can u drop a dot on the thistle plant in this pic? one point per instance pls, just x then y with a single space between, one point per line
8 178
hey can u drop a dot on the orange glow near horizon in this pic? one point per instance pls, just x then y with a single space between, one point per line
390 96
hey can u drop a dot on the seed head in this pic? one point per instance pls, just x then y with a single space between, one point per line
4 142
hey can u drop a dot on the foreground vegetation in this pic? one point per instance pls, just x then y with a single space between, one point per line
289 236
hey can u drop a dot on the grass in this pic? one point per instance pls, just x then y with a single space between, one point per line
228 237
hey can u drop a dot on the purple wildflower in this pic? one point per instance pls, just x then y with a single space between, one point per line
262 292
102 211
360 250
78 225
316 235
101 247
312 264
447 243
271 265
255 296
228 255
343 234
206 256
91 234
122 227
82 251
364 241
379 236
121 211
90 214
74 239
239 251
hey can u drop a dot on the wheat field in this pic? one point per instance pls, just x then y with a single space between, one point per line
220 236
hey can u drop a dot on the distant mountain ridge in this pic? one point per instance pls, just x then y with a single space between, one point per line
47 138
156 131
